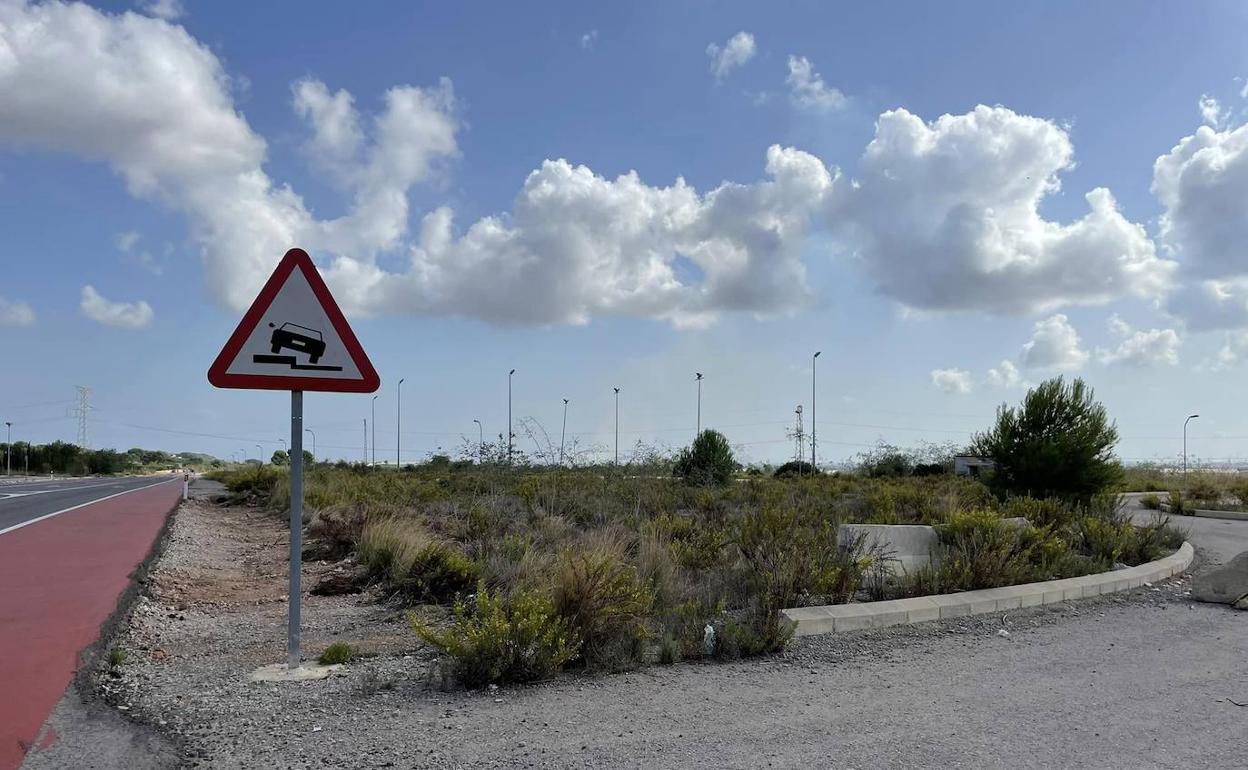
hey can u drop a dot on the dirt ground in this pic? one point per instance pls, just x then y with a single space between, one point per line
1137 680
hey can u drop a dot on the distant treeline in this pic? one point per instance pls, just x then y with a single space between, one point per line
63 457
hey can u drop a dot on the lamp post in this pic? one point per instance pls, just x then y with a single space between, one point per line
480 440
699 430
260 454
1190 417
617 426
374 430
510 434
398 428
563 432
813 358
8 450
309 430
365 440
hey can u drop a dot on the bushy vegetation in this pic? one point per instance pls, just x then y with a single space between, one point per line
606 569
1058 443
63 457
709 461
336 654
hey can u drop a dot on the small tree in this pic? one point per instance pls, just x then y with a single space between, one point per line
1058 443
280 457
708 461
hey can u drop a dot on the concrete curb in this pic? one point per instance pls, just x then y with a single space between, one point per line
1203 513
852 617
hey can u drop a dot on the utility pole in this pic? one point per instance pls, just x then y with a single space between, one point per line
813 359
80 412
365 441
398 428
8 450
260 454
617 427
564 432
374 431
1185 422
511 434
480 440
309 430
797 434
699 430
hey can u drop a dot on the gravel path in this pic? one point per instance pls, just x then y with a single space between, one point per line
1138 680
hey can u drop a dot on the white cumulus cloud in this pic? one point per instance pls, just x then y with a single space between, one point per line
163 9
1141 347
1054 346
15 313
1212 112
946 216
736 52
126 315
952 380
589 40
1006 375
807 89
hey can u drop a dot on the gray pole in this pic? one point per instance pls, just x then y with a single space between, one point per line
260 454
480 440
398 428
8 450
365 441
296 526
510 434
374 430
617 426
699 430
1185 422
564 432
813 467
309 430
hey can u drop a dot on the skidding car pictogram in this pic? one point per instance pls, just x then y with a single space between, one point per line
286 337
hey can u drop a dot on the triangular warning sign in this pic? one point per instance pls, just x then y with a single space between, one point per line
294 337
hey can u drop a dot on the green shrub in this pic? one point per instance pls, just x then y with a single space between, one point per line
709 461
794 469
761 630
116 657
1039 513
1202 487
981 551
337 653
1058 443
1151 501
605 605
497 641
1177 504
417 564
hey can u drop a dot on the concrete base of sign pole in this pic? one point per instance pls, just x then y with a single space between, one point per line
280 672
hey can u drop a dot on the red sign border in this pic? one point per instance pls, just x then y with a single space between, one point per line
294 259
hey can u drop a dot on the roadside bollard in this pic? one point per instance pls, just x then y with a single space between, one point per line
186 485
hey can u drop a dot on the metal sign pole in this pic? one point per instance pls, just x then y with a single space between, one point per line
296 525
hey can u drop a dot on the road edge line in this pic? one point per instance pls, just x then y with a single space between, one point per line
16 527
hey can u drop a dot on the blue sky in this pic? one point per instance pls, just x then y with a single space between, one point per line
916 267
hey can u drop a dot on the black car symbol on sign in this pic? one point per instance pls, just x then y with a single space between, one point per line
304 340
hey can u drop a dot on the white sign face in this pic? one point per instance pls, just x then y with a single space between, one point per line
294 337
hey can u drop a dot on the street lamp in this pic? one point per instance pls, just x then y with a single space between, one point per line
812 410
8 450
365 440
617 426
398 428
480 440
699 431
510 433
564 432
374 431
309 430
260 454
1190 417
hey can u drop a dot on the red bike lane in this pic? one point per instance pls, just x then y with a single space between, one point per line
60 580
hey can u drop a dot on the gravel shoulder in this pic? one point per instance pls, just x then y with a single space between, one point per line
1137 680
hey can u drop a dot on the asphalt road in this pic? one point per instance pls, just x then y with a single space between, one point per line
1219 539
25 502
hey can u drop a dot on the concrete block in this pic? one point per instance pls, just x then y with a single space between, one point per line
910 545
1032 598
952 605
920 609
810 620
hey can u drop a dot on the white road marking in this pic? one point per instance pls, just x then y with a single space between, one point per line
83 505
